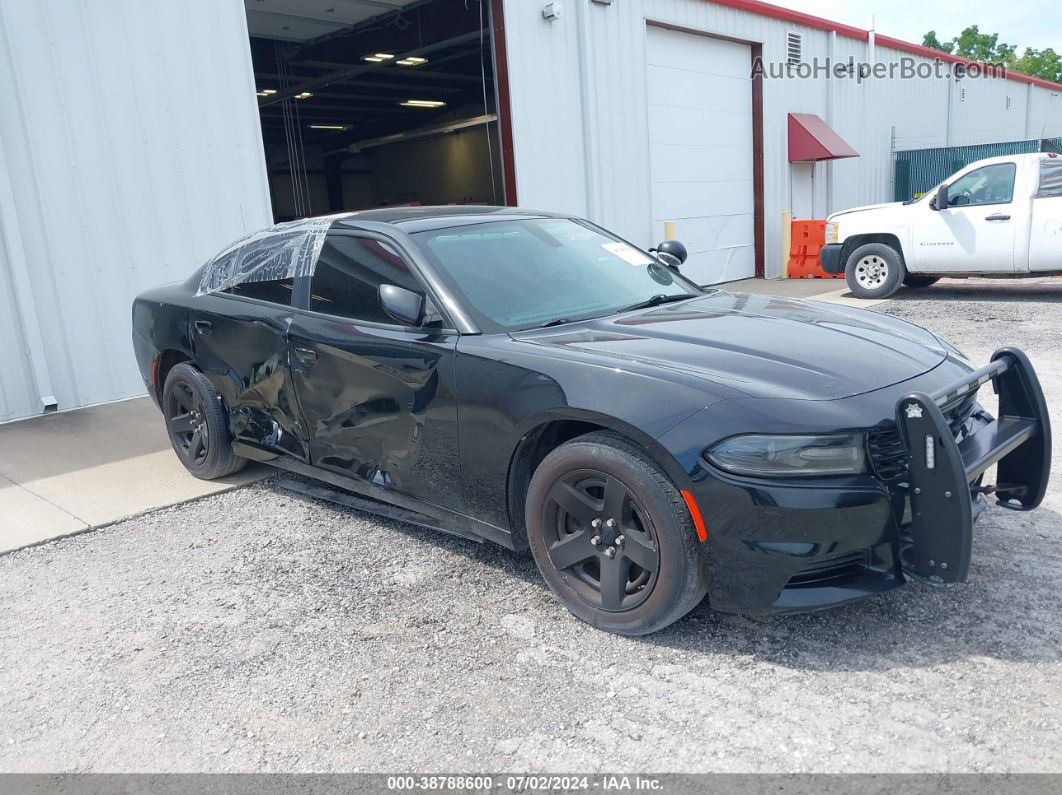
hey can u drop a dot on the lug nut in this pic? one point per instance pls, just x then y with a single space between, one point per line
610 552
611 523
619 541
595 540
595 523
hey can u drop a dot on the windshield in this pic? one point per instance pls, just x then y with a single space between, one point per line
513 275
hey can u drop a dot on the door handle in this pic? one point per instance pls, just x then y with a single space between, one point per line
998 217
204 327
306 356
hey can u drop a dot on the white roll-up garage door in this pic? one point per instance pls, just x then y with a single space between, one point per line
700 150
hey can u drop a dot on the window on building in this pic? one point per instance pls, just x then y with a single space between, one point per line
349 272
989 185
794 46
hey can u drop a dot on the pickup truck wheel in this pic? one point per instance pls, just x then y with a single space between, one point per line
613 537
915 281
874 271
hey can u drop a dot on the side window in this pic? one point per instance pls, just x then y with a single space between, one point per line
1050 178
989 185
348 276
276 292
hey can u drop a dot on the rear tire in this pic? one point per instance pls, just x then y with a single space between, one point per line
874 270
644 572
914 281
197 425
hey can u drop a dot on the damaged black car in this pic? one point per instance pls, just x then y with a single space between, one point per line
533 380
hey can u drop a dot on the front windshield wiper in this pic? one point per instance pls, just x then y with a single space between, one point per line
656 300
558 322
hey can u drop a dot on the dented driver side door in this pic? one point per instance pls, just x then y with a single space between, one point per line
378 398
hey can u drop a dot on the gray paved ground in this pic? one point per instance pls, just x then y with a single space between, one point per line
258 630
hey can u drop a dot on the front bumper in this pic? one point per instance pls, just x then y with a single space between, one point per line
789 546
830 258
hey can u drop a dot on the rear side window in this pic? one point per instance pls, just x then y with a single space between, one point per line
1050 178
276 292
348 276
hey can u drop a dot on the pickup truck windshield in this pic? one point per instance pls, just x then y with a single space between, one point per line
523 274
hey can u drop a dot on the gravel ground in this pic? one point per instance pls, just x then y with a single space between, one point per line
259 630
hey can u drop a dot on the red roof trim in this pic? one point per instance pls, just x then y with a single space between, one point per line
776 12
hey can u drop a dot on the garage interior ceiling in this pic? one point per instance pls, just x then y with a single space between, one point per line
317 47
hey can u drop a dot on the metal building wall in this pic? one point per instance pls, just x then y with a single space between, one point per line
130 151
580 129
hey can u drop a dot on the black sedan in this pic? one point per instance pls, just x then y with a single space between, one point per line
533 380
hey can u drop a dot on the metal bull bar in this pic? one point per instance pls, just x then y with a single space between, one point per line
943 506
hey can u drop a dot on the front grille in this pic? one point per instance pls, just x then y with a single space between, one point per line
886 448
824 570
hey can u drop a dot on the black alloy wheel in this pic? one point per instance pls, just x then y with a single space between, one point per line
197 424
601 539
188 430
613 537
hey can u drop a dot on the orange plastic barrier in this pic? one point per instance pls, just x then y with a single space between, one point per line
807 238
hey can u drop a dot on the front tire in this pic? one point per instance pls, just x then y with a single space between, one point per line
914 281
874 270
612 536
197 426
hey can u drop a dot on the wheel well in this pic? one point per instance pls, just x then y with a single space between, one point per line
167 361
852 243
529 453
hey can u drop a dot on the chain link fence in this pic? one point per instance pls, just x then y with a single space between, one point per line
918 171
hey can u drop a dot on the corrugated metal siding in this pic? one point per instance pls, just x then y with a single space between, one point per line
132 148
602 164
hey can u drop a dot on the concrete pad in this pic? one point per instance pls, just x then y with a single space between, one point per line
27 519
789 288
72 471
829 290
105 493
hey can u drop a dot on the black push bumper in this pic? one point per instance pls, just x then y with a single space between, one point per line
830 258
944 472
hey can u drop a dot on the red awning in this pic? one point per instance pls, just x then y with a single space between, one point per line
810 138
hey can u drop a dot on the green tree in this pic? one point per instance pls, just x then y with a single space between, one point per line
987 48
1046 64
983 47
931 40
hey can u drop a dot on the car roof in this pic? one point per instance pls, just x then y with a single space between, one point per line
419 219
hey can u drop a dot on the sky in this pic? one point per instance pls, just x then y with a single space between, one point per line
1026 23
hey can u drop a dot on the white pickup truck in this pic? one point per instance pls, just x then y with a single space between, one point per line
1000 217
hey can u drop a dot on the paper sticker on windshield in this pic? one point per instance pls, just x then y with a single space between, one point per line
628 254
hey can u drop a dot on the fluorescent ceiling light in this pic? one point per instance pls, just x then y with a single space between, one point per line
372 59
303 95
266 92
384 56
339 127
422 103
411 61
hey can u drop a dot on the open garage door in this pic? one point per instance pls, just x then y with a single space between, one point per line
372 103
701 150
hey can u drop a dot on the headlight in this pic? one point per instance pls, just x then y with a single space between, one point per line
831 232
791 456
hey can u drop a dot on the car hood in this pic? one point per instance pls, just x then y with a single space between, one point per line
758 345
888 205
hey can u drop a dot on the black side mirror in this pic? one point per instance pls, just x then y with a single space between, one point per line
405 306
941 199
674 253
